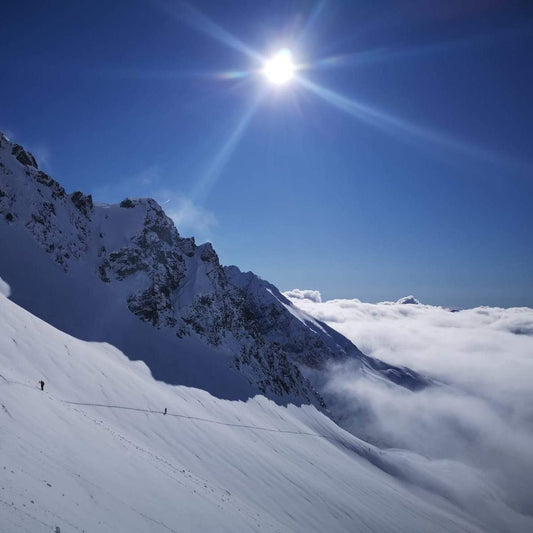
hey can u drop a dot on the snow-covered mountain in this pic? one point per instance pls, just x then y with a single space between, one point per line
123 274
255 450
94 452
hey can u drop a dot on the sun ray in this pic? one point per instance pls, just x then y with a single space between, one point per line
208 180
312 19
195 18
388 53
402 128
391 53
171 74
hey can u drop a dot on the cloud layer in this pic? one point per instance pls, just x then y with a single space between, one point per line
481 414
189 218
299 294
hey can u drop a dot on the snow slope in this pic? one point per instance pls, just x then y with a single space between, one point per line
94 452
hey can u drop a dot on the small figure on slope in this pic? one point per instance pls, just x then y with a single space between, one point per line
41 383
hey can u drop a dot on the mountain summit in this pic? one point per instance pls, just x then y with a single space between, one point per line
123 274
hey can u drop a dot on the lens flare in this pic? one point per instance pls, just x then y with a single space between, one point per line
280 68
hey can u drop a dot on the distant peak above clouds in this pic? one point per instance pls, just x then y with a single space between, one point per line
408 300
315 296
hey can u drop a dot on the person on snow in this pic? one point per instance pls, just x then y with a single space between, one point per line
41 383
165 412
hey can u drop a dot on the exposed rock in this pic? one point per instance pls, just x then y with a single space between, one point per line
207 253
127 203
188 246
408 300
84 202
155 252
23 156
56 189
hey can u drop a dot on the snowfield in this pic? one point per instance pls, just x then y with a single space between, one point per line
94 452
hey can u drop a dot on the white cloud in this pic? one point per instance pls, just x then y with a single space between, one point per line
42 155
481 414
305 294
190 218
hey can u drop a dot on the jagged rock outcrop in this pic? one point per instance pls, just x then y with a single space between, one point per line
23 156
40 203
84 202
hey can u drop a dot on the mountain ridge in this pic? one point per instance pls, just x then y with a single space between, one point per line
131 256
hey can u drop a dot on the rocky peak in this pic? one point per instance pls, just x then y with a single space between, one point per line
31 197
83 202
43 178
154 252
207 253
408 300
23 156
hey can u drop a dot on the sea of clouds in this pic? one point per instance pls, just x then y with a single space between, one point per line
480 412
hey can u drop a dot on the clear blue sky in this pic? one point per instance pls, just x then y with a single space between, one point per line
406 167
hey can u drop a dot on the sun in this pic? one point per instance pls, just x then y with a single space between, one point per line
279 69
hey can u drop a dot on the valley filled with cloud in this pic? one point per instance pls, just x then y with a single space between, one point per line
475 424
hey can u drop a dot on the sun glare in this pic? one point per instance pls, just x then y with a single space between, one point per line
279 69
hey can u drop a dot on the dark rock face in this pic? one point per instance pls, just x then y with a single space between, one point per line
23 156
44 179
153 306
43 224
277 373
39 202
188 246
208 254
155 252
127 203
83 202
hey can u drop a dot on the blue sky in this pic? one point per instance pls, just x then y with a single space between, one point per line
402 163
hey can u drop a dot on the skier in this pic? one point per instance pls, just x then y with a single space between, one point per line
165 411
41 383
